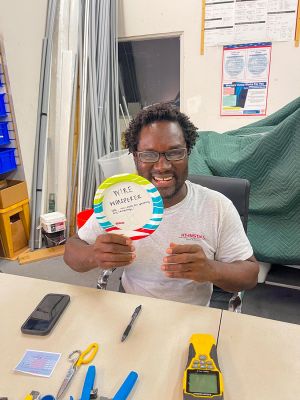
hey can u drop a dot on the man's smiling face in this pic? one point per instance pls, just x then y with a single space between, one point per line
168 176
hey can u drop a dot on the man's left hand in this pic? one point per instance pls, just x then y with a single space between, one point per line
187 262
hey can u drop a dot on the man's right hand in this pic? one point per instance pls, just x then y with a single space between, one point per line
111 251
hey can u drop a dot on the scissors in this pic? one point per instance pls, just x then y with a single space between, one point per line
77 358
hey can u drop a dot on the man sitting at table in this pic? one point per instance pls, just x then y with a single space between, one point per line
200 241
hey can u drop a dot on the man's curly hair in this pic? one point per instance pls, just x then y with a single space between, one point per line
160 112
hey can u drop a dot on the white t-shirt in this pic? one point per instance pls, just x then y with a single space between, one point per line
203 217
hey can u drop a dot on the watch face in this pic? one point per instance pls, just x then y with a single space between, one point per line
128 205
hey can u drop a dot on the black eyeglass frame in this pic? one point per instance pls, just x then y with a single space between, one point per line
158 154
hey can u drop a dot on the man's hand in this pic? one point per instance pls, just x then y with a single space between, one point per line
188 262
111 250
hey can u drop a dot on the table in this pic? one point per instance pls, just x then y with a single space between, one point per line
259 358
156 348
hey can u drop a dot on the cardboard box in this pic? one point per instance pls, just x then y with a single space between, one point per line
18 235
15 192
3 184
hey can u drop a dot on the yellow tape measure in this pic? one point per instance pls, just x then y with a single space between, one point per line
202 377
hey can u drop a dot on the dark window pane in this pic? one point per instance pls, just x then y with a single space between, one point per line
149 72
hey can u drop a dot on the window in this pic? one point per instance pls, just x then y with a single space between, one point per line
149 73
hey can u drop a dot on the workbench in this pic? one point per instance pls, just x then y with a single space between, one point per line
259 358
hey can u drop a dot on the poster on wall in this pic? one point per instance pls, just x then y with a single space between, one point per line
240 21
245 79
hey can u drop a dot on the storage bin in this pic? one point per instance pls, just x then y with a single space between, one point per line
3 112
117 162
4 135
7 160
54 239
53 222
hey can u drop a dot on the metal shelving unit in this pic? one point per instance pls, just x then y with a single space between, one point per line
8 127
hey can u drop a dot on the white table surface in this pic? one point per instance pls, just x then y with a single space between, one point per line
259 358
156 348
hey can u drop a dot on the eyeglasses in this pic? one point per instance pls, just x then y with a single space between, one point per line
154 156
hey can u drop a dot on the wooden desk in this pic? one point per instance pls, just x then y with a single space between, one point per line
156 348
259 358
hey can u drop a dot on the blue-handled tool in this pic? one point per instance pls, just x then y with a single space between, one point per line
125 388
87 389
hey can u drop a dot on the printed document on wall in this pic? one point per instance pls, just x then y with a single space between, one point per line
245 79
246 21
282 15
250 20
219 20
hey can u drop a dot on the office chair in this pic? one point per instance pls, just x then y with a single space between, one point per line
237 190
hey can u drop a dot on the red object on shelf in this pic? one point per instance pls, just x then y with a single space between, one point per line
83 216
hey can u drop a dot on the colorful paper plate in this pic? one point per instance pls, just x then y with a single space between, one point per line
128 205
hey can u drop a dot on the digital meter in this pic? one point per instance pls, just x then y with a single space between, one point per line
202 377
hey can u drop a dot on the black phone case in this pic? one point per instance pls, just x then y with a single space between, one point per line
49 310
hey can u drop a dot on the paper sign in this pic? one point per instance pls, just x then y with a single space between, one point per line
242 21
40 363
245 79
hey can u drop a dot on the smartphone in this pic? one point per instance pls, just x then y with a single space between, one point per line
46 314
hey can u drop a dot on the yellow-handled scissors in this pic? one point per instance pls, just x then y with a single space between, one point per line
32 395
77 358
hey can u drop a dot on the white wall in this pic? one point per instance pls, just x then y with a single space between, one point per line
201 75
22 27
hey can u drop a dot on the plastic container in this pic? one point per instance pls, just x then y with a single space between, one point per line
83 216
3 112
7 160
53 239
4 135
117 162
53 222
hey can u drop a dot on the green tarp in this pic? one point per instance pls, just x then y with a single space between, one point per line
267 153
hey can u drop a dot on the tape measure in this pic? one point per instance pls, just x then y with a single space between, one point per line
202 377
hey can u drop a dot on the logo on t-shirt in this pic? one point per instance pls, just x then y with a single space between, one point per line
197 237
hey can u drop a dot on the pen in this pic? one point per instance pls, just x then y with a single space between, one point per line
129 326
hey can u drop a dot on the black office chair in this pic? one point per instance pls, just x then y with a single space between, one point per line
238 191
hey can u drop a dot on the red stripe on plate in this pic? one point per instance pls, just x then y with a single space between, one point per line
112 229
145 230
138 237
